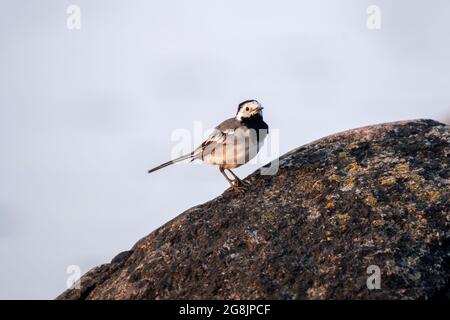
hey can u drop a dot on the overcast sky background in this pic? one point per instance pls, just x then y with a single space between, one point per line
84 113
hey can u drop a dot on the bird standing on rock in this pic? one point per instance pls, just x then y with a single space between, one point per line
233 143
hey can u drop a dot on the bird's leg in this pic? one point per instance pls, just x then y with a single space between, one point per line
222 171
237 179
231 182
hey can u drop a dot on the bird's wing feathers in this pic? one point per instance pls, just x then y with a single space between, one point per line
219 136
229 124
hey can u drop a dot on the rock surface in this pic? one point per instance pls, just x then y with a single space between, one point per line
377 195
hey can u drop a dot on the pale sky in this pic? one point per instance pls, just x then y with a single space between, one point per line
85 113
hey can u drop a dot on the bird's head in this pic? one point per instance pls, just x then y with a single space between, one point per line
249 109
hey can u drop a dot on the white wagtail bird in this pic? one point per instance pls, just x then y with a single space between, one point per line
233 143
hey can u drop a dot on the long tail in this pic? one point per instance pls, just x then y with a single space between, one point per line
168 163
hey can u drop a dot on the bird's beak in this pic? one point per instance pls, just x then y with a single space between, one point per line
259 109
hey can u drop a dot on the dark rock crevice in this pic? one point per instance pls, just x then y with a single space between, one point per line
377 195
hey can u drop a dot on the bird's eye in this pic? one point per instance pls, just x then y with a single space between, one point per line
247 108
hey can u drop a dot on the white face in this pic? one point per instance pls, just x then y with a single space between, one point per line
249 109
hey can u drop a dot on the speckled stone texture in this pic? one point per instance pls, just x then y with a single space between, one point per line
377 195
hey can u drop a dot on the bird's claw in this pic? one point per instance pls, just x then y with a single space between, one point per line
240 189
239 185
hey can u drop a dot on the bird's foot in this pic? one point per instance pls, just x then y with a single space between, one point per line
239 185
238 189
240 182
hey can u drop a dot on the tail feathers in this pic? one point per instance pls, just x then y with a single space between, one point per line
168 163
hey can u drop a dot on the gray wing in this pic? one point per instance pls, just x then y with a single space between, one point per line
229 124
219 136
